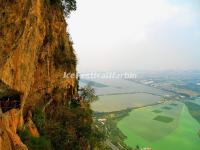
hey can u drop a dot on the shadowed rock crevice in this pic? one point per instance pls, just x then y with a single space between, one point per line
9 99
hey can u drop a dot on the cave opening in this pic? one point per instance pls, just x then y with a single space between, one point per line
9 98
9 102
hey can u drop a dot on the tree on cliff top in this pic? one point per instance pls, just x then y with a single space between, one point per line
67 5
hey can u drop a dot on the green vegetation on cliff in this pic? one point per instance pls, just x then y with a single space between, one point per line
64 125
66 5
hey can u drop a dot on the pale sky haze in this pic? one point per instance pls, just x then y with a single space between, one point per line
128 35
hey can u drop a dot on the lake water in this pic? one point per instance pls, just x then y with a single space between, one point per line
111 103
121 94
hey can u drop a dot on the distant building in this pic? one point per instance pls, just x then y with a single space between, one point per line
102 121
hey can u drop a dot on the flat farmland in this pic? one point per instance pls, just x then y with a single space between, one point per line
160 128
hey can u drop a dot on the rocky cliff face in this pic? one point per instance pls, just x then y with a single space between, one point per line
35 51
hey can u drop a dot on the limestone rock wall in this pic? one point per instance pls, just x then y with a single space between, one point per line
35 51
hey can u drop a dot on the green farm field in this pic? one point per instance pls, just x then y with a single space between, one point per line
162 127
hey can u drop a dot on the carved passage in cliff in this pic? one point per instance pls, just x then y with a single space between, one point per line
10 102
9 98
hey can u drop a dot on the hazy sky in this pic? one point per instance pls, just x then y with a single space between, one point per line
128 35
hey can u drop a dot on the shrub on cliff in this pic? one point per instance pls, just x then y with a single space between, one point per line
88 94
34 143
67 5
63 58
